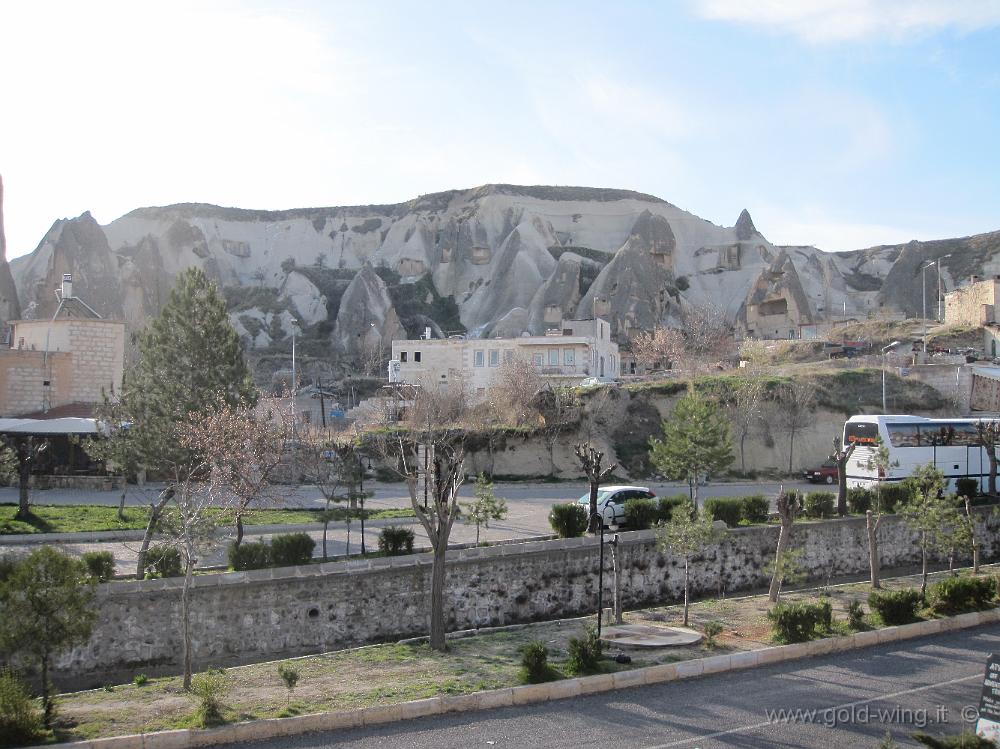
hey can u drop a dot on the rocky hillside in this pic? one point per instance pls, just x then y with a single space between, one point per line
495 259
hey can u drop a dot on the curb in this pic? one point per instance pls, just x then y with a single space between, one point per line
529 694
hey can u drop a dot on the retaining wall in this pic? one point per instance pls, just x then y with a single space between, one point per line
262 615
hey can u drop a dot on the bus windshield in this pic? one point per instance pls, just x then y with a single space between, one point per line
860 432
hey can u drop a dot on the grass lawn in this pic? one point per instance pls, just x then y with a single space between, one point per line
79 518
390 673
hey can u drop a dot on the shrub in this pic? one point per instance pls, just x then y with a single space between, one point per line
20 720
640 514
967 487
963 740
896 495
669 504
712 630
855 615
796 622
895 606
163 561
956 594
568 520
755 509
584 652
209 688
859 501
140 680
825 612
100 565
289 676
535 663
394 541
728 509
819 504
292 549
252 555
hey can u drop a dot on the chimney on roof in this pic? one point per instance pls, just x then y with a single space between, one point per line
973 279
67 286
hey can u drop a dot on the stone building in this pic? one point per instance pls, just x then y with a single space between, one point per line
68 360
575 351
776 306
974 304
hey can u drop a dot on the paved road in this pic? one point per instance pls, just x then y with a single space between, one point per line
527 517
849 700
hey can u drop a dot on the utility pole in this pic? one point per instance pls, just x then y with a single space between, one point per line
923 279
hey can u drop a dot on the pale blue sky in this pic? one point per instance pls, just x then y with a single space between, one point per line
839 123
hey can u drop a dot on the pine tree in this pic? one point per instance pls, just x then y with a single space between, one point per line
696 441
190 362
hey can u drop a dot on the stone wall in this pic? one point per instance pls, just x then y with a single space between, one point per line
972 304
269 614
23 375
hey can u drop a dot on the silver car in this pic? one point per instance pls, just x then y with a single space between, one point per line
611 501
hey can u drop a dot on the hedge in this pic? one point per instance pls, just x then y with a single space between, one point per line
819 504
292 549
641 514
669 504
727 509
395 541
249 555
100 565
954 595
798 622
568 520
756 509
895 606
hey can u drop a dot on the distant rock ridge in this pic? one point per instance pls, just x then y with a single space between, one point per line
497 260
10 308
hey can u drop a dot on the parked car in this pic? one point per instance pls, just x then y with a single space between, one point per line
824 474
611 501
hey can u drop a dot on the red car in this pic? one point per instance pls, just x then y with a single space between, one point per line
825 474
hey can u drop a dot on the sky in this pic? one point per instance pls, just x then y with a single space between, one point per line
837 123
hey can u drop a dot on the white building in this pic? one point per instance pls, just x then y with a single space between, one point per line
578 350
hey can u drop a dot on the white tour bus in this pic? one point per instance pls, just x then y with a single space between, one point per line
951 445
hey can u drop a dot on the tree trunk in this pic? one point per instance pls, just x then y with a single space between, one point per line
791 447
616 568
121 503
477 534
685 591
593 526
23 477
325 524
972 536
975 556
155 512
437 596
743 461
842 486
874 563
923 564
239 530
186 614
46 691
992 455
775 589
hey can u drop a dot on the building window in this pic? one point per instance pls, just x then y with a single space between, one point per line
494 357
553 357
538 359
402 356
508 355
569 356
480 358
416 356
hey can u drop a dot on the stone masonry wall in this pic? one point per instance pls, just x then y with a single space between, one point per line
270 614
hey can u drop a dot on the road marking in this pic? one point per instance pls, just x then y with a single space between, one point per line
846 705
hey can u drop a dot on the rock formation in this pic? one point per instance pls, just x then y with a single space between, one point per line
10 309
367 318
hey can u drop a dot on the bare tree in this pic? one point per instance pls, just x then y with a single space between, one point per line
841 455
590 461
788 504
708 336
515 391
658 348
560 409
29 452
989 438
746 401
435 425
796 401
226 449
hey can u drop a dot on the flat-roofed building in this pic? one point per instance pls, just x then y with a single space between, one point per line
576 351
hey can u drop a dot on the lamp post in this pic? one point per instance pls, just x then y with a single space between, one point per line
940 297
923 280
597 518
885 351
361 496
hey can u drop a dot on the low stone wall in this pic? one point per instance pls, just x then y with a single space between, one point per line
268 614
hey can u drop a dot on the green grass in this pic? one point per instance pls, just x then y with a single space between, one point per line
84 518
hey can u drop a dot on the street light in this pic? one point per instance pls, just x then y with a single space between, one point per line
885 351
940 297
361 496
923 279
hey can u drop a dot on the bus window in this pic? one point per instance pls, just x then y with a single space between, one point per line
903 435
861 432
966 435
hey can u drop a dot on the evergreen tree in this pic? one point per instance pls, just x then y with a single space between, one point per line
696 441
46 606
685 535
190 362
